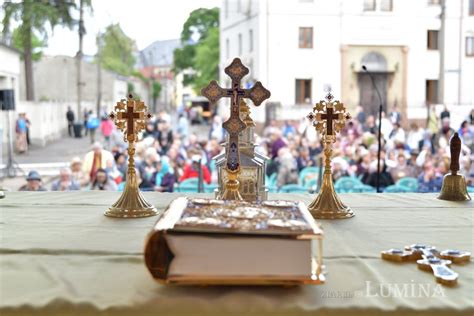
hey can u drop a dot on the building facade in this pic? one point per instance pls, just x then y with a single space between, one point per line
300 49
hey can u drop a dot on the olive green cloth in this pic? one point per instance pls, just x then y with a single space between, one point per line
61 256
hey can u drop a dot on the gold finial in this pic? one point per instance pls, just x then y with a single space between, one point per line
130 117
328 118
454 186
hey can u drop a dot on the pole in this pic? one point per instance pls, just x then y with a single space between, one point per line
441 52
79 60
99 75
379 148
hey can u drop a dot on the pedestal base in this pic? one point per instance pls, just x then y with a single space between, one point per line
131 203
327 204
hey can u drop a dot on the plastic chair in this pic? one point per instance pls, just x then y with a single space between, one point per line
365 189
188 186
470 189
308 174
347 185
271 180
293 188
209 188
397 189
410 183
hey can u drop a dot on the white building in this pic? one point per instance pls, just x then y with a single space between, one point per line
300 48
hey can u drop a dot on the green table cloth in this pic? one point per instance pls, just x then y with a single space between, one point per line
61 256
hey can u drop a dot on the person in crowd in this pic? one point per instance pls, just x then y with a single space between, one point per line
276 143
402 169
370 177
164 178
217 131
65 182
113 172
164 136
77 172
92 124
70 121
106 127
304 159
445 114
28 126
395 115
33 182
121 163
21 127
103 182
183 126
429 180
360 115
288 170
414 137
288 129
191 170
96 159
147 169
85 115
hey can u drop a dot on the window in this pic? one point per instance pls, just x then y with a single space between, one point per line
240 44
369 5
470 46
306 37
432 40
386 5
303 91
250 40
431 91
471 7
227 48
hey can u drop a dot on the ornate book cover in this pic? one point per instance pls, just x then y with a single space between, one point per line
207 241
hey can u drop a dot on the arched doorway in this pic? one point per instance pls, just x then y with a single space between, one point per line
368 99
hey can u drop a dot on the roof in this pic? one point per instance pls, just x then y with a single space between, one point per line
159 53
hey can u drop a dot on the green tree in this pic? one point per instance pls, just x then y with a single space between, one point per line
37 44
200 50
155 92
116 51
34 17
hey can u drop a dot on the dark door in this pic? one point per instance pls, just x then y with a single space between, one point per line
368 96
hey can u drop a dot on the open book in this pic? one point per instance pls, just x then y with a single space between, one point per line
205 241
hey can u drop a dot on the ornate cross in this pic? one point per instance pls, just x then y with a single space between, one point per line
328 116
130 117
234 125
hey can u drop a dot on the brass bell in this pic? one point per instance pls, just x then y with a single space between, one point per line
454 185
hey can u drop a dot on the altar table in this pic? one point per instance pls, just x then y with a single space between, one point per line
61 256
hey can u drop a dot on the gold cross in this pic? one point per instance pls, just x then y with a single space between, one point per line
234 125
130 117
328 116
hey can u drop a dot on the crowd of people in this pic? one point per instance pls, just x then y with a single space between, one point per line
167 156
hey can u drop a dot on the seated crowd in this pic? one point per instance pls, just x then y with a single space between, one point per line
167 157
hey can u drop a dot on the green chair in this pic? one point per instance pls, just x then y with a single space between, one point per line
209 188
293 188
408 182
347 185
271 180
366 189
397 189
470 189
308 174
188 186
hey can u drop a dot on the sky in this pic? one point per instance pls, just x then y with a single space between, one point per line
145 21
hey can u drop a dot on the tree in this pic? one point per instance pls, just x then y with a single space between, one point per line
155 92
37 44
200 51
117 50
34 16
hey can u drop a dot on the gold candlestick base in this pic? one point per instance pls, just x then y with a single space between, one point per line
327 204
131 204
231 190
454 188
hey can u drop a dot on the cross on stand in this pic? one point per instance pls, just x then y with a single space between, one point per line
234 125
329 116
130 117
